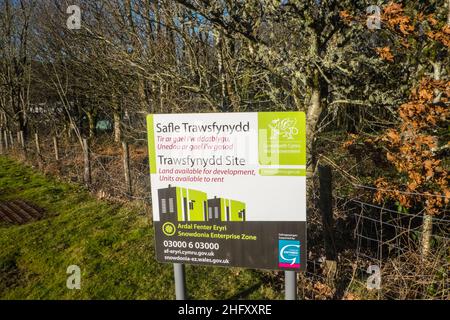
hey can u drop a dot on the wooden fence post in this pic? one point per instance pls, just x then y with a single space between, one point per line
11 139
1 141
87 163
126 167
326 210
5 135
56 147
19 141
38 151
22 143
38 147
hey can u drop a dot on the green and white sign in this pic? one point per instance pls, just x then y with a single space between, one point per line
229 189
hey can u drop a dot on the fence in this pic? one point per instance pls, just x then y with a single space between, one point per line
115 172
346 235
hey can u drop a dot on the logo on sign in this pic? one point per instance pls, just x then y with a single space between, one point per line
285 128
289 254
169 229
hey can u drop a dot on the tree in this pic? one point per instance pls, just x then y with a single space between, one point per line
309 59
15 61
418 146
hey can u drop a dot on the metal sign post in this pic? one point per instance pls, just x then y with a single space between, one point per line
290 285
180 281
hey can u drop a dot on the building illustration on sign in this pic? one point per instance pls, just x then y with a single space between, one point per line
184 204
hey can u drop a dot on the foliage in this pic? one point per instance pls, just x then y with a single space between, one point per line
416 149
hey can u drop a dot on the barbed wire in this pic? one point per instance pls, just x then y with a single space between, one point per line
418 215
351 179
402 192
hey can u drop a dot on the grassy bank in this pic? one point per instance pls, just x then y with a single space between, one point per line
112 244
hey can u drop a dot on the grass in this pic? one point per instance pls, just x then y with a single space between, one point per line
111 243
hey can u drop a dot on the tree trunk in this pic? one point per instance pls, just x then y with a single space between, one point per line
91 120
117 119
427 230
448 13
427 226
315 106
21 121
220 67
117 126
142 95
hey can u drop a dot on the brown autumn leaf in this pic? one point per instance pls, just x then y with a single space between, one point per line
393 136
385 54
345 16
447 195
426 94
432 20
412 186
350 296
393 8
446 29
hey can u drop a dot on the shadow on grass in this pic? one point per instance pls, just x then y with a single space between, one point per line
246 292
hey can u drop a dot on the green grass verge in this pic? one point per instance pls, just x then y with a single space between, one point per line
112 244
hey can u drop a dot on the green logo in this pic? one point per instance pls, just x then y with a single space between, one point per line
282 138
169 229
